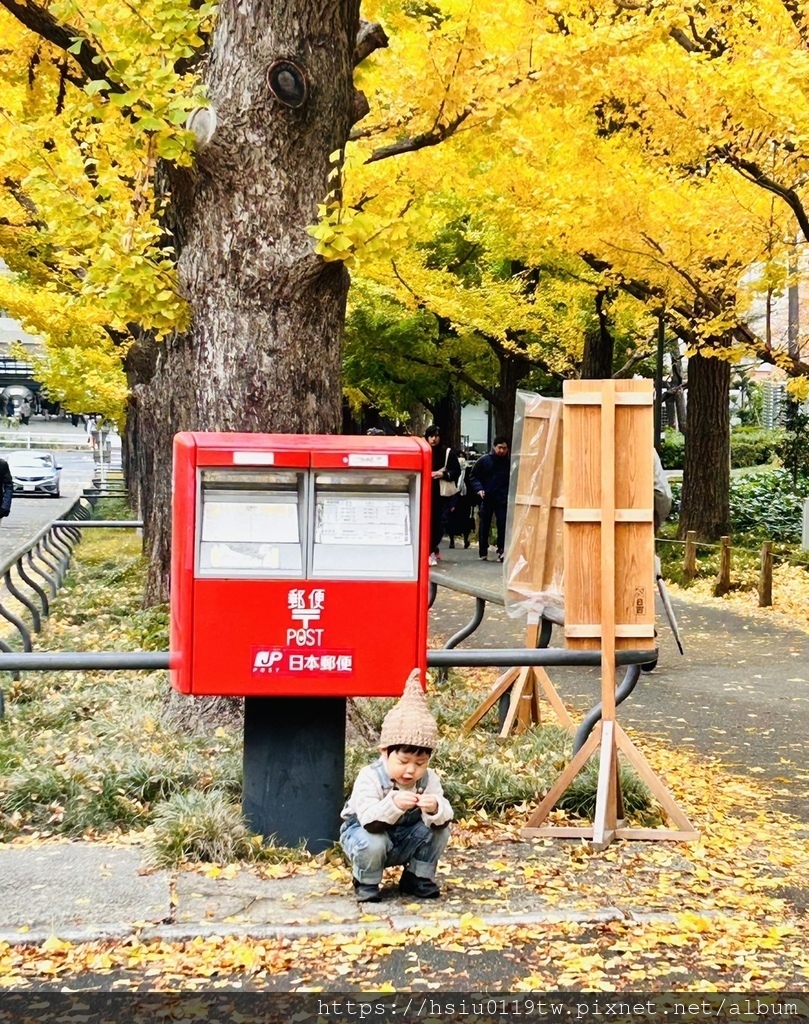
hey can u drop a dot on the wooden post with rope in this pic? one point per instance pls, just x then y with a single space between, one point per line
609 585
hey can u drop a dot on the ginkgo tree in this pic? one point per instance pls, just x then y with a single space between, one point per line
577 156
192 184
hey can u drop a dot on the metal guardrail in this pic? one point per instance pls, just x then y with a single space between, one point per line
41 564
450 657
63 534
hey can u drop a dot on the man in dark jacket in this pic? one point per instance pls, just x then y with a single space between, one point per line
6 489
490 483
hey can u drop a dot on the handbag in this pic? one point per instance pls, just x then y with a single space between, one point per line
447 488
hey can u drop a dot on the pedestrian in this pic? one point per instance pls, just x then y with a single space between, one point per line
445 473
25 411
490 484
397 812
461 521
6 489
10 408
662 493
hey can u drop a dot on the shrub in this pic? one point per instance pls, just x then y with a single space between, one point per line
208 827
200 826
672 449
766 504
753 446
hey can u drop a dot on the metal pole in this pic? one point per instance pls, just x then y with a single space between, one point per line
658 407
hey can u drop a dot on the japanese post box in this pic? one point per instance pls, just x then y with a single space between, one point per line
299 564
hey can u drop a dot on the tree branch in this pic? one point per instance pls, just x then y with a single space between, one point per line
17 194
431 138
752 172
39 20
370 37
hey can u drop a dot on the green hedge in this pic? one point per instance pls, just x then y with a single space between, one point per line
749 446
672 449
753 446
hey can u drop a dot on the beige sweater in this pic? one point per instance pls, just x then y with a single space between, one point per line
370 800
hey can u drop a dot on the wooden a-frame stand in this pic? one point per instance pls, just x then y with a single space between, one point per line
525 684
533 558
609 577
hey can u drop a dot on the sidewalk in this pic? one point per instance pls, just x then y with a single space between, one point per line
85 891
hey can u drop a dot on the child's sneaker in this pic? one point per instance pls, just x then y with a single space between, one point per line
421 888
366 893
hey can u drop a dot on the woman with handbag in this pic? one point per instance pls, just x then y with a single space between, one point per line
445 473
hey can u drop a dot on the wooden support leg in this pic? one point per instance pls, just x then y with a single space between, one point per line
553 698
517 691
646 772
564 780
500 687
606 816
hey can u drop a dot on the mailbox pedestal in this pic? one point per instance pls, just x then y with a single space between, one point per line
299 578
294 760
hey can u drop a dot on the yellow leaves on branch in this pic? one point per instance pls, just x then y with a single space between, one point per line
77 161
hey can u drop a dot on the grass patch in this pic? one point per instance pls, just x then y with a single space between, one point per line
91 754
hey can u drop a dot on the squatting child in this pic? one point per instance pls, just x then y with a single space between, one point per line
397 812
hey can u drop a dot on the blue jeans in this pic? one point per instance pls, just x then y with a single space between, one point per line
417 846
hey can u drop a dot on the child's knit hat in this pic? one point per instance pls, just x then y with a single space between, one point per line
409 720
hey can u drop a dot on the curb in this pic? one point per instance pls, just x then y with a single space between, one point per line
393 922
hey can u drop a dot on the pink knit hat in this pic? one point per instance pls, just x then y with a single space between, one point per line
409 720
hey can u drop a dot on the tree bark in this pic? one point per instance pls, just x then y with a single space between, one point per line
599 346
514 368
262 353
706 470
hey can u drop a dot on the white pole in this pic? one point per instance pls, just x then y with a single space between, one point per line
805 536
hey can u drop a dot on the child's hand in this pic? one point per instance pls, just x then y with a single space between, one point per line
428 803
405 800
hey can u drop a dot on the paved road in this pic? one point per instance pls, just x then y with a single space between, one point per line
740 693
29 513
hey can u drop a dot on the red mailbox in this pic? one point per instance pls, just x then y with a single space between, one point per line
299 564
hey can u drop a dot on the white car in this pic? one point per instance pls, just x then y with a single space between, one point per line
34 472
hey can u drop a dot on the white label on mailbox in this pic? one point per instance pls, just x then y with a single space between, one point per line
362 459
254 458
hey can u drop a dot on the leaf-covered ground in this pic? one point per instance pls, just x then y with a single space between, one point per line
725 912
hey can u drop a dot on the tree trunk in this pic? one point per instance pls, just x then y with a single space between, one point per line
514 368
677 385
599 346
263 349
447 412
706 472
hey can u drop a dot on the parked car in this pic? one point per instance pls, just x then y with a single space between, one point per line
34 472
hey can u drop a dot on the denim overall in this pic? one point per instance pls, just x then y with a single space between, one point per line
409 841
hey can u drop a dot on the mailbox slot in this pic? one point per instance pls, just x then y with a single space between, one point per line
363 524
251 523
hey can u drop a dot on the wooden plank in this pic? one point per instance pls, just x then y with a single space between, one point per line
552 697
622 515
641 834
642 397
607 565
514 704
622 629
582 490
656 834
634 538
501 685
